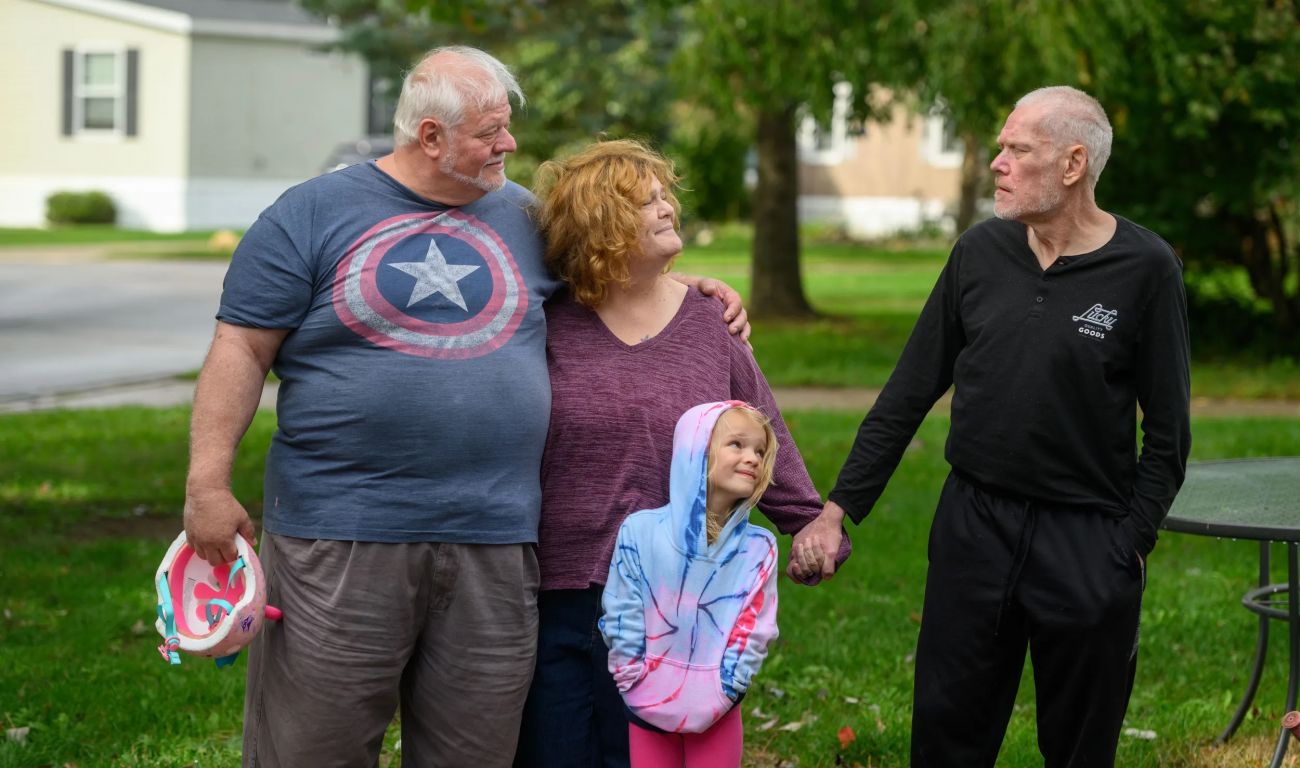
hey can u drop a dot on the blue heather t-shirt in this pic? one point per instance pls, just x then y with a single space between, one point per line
414 396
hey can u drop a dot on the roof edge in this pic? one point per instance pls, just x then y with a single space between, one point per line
261 31
123 10
183 23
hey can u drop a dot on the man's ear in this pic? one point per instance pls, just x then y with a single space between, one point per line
432 136
1076 165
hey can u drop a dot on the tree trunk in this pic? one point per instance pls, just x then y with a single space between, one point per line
972 180
1287 305
1264 256
775 271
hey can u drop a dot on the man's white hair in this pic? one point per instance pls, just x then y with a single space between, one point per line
445 84
1073 117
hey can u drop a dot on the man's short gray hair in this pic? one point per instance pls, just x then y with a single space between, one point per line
445 83
1073 117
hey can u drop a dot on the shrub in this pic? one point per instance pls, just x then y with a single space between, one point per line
80 208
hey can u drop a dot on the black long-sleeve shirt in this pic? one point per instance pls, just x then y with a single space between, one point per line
1048 367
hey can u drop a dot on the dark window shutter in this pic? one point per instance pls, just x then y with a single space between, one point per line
67 90
132 89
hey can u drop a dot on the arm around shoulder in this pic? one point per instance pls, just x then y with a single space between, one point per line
733 312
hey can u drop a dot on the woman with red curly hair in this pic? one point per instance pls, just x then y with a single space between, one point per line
629 350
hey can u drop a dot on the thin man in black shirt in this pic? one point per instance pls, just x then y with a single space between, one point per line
1053 323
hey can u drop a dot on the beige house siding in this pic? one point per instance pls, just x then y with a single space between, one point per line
897 175
33 36
887 160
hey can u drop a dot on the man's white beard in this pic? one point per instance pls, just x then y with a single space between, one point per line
447 167
1015 211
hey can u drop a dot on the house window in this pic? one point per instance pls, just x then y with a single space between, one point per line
827 144
382 105
99 91
940 145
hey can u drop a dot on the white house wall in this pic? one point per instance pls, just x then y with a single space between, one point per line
143 202
265 115
866 217
143 172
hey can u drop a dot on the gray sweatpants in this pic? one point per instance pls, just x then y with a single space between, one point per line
448 631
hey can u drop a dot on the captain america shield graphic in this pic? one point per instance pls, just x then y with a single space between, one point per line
438 285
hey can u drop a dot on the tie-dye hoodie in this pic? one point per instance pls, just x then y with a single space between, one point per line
687 624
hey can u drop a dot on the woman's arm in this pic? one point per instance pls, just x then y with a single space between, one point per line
791 502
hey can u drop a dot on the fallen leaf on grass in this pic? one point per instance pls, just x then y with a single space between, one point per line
17 735
847 737
807 718
768 725
1139 733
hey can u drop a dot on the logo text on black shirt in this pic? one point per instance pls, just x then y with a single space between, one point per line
1096 321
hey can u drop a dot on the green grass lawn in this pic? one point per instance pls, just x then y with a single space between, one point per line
111 243
91 234
89 500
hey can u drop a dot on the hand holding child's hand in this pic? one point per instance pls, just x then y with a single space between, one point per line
814 549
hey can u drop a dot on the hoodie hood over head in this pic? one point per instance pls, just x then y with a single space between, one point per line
688 482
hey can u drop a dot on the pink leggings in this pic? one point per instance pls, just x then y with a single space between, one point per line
718 747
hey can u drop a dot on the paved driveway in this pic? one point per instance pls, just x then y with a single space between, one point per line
69 325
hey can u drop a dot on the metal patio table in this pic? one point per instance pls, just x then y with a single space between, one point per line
1257 499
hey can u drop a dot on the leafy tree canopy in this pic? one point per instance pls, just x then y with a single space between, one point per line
1207 138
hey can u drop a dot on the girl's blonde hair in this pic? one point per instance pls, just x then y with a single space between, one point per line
589 212
765 469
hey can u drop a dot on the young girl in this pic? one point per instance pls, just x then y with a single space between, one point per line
690 604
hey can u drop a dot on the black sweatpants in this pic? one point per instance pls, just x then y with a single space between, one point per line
1007 574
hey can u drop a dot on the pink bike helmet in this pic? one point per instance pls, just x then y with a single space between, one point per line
209 611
